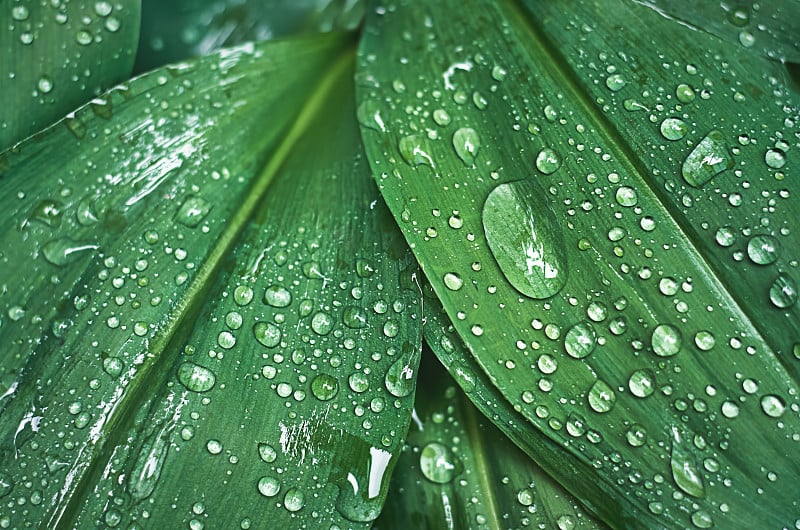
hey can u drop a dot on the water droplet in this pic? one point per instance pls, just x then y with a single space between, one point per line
498 73
45 85
525 497
626 196
148 466
360 497
6 485
268 486
195 377
702 519
83 37
354 317
294 500
242 295
580 340
226 340
709 158
673 129
615 82
277 296
684 93
601 397
466 143
63 251
437 463
704 340
192 211
775 158
763 249
453 281
267 453
400 378
441 117
783 292
214 447
636 435
684 470
324 387
725 236
666 340
729 409
267 334
369 115
102 8
524 238
113 366
19 12
773 406
547 161
321 323
415 150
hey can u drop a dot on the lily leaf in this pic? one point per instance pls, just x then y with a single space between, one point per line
224 343
623 279
458 471
55 56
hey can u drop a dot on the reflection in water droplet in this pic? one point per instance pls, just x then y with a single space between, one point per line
626 196
525 239
684 93
268 486
601 397
775 158
196 378
773 406
763 249
63 251
666 340
453 281
192 211
242 295
437 463
149 463
400 378
322 323
673 129
277 296
636 435
615 82
580 340
267 453
294 500
466 143
415 150
369 115
547 161
707 159
783 292
267 334
324 387
684 469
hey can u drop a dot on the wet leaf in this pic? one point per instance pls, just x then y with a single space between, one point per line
57 55
207 339
594 254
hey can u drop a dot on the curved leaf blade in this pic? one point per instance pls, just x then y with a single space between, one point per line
661 382
55 56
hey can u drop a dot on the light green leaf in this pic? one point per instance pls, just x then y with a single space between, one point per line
459 471
179 29
55 56
210 339
605 213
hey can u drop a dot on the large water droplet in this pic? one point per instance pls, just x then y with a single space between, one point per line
192 211
269 486
525 239
709 158
294 500
148 466
763 249
267 334
666 340
783 292
673 129
369 115
195 377
277 296
601 397
547 161
63 251
361 496
580 340
400 378
775 158
684 470
466 143
773 406
437 463
415 150
324 387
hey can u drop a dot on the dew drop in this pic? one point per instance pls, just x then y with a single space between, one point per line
415 151
615 82
763 249
267 334
601 397
83 37
369 115
267 453
704 340
707 159
673 129
524 238
45 85
437 463
684 469
294 500
636 435
684 93
268 486
773 406
195 377
466 143
580 340
626 196
324 387
242 295
453 281
322 323
358 382
775 158
783 292
400 378
192 211
277 296
547 161
666 340
441 117
60 252
226 340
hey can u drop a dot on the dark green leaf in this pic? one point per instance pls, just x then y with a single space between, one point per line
624 279
55 56
224 345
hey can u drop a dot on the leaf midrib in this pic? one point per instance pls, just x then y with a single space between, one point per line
153 373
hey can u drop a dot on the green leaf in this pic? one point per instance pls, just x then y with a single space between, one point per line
179 29
217 343
57 55
458 471
605 213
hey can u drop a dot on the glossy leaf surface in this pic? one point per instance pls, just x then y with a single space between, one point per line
225 345
569 188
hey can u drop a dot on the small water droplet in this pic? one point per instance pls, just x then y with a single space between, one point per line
102 8
369 115
267 453
547 161
19 12
466 143
453 281
63 251
666 340
322 323
441 117
400 379
709 158
45 85
626 196
195 377
524 238
294 500
773 406
83 37
684 93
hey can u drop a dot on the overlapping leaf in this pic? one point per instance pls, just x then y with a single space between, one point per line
615 319
198 344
